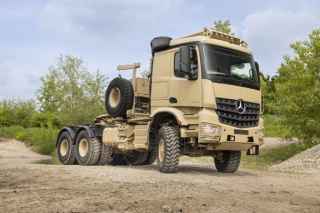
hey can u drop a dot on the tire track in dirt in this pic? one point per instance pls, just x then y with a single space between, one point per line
29 187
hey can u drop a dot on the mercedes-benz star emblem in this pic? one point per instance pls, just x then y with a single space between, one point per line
240 106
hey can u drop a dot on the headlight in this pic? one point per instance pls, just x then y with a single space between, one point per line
209 132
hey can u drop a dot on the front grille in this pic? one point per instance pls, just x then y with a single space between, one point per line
230 114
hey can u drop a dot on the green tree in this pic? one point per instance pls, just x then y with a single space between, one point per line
223 26
268 88
71 93
298 89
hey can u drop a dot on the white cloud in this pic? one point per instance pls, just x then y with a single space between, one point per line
270 33
107 33
105 19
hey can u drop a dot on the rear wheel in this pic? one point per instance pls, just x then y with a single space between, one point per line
228 161
168 149
87 149
65 149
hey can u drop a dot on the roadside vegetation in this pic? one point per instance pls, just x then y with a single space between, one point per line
41 140
70 94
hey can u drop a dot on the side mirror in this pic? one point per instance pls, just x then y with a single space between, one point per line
185 63
257 67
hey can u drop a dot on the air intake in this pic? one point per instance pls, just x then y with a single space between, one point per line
160 43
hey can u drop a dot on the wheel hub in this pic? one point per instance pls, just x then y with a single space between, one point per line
114 97
83 147
64 147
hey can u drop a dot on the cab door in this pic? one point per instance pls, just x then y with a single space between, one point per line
185 87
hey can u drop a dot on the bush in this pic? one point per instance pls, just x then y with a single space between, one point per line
16 113
10 132
41 140
274 127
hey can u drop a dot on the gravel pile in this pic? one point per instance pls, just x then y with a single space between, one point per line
306 162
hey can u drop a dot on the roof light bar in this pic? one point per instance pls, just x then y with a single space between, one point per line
212 33
223 36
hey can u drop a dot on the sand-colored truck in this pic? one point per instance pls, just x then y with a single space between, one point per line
201 98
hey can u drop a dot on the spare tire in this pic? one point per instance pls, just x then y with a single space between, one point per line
119 97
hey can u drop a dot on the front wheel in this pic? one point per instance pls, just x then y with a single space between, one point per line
168 149
227 161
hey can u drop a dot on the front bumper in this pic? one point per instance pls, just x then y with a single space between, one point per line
230 138
227 137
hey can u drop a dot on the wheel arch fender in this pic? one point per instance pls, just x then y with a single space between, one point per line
71 132
160 115
176 113
86 128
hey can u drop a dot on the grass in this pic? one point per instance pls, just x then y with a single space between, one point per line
41 140
273 127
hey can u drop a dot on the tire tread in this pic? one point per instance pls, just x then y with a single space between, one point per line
172 149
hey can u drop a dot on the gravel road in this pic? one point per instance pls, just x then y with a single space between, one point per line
26 185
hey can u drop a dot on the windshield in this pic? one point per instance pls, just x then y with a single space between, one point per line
230 66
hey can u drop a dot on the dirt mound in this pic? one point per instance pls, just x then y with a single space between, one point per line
306 162
271 143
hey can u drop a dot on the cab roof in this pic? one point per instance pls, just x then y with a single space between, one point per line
211 36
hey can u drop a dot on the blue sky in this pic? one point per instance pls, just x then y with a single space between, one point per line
105 33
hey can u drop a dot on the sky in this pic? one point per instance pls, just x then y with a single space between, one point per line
105 33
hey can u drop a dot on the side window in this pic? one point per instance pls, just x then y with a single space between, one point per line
193 64
177 62
193 59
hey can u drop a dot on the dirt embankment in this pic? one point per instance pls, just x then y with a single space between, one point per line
26 186
307 162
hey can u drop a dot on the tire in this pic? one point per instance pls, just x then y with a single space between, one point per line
228 162
152 156
119 97
168 149
65 149
108 157
88 150
119 160
136 158
152 153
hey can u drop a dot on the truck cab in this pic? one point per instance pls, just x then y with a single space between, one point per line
201 98
210 81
